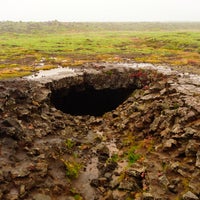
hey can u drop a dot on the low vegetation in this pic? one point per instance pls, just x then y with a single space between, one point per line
28 47
72 168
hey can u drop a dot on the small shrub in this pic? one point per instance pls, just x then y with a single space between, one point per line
69 144
78 197
132 156
72 168
114 158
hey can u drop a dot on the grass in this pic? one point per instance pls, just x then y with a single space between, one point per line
22 50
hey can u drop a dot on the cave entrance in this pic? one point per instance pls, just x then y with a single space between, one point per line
88 101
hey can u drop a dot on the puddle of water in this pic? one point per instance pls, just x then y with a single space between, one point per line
82 184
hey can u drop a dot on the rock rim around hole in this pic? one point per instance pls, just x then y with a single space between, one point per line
91 90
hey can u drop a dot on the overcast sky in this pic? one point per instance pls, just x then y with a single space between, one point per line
100 10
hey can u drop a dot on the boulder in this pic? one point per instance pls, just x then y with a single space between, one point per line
189 196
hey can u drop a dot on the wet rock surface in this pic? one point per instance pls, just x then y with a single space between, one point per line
146 148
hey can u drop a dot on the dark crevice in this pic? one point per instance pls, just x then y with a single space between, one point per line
81 100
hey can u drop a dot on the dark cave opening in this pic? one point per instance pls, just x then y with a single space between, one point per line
88 101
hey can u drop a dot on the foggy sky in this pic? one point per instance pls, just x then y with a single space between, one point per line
100 10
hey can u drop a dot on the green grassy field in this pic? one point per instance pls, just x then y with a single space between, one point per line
28 47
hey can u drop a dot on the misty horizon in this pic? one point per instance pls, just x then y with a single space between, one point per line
26 21
100 10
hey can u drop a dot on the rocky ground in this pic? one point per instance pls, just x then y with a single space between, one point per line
146 148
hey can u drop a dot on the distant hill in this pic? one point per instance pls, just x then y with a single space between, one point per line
59 27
